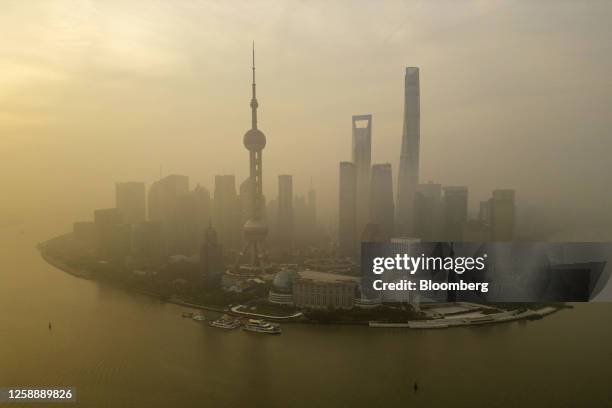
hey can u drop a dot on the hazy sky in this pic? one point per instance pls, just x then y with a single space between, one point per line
513 95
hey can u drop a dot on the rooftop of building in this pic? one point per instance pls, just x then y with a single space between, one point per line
327 277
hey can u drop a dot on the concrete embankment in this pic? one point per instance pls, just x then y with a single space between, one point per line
457 320
237 310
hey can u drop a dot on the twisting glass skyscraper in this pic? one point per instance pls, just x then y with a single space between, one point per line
408 176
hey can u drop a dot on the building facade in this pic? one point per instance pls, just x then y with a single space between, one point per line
427 212
226 211
382 206
286 221
502 215
113 236
408 176
362 158
314 290
455 212
148 240
164 200
347 210
211 258
130 199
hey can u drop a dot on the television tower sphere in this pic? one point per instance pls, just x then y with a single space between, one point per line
254 140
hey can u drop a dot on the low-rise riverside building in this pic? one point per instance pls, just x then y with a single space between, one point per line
314 290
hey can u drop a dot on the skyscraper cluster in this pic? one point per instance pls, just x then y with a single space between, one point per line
181 212
184 222
429 212
366 191
292 217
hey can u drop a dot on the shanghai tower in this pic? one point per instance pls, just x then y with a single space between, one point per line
408 177
255 228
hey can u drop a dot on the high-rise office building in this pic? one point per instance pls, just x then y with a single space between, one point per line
300 221
226 211
455 212
108 216
271 220
304 217
165 196
211 258
246 200
347 210
203 213
148 240
286 222
312 207
113 236
154 201
310 230
502 215
427 212
362 158
408 176
484 212
192 215
475 231
382 208
423 216
130 199
185 231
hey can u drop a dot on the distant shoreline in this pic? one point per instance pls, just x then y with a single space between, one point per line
88 276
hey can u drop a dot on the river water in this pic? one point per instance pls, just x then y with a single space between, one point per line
121 349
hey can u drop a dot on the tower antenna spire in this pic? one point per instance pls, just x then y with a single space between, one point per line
254 103
253 62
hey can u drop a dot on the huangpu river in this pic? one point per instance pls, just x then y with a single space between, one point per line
120 349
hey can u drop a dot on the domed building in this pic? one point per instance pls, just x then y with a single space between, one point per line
281 291
308 289
283 281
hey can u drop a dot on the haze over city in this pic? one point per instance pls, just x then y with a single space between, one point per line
513 95
269 203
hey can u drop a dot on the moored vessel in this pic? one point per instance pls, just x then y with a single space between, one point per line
261 326
226 322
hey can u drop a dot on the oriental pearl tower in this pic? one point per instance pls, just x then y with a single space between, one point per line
255 229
